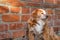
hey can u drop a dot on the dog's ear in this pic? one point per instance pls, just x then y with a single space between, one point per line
34 13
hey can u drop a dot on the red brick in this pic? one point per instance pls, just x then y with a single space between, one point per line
48 6
33 4
57 12
16 26
59 28
3 9
37 0
49 24
32 9
2 36
15 9
54 17
18 3
7 35
57 6
13 2
3 27
50 1
57 23
56 29
58 16
49 11
25 10
12 26
49 17
6 27
10 18
58 2
25 17
18 34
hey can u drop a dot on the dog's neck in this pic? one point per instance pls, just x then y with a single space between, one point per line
38 27
41 22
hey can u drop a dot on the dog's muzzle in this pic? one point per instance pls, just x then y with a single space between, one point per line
46 17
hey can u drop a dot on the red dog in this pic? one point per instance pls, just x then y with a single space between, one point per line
37 25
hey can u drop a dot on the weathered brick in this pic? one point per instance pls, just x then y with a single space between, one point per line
12 2
54 17
32 9
15 9
50 23
33 4
6 27
57 6
59 28
12 26
48 6
49 11
18 34
50 1
25 17
56 23
58 2
25 10
10 18
58 16
26 0
3 1
55 29
2 36
18 4
57 12
21 4
16 26
37 1
3 9
3 27
49 17
7 35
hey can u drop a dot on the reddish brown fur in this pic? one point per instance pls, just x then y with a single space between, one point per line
48 32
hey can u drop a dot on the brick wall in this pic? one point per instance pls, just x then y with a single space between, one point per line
15 13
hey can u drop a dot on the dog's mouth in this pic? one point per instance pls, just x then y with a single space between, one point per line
44 17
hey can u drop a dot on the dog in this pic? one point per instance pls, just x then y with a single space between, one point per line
37 26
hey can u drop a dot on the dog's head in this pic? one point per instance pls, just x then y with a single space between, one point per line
39 14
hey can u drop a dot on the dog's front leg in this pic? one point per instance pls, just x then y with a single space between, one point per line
30 36
53 35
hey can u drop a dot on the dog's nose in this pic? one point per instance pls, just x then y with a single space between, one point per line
46 16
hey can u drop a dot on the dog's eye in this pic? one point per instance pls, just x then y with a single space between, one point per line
41 13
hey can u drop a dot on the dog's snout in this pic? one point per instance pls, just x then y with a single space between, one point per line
46 16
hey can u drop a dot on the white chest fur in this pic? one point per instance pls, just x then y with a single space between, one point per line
38 27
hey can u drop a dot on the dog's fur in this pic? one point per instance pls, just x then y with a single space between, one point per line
37 25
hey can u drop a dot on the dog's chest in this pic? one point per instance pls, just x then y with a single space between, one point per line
38 27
